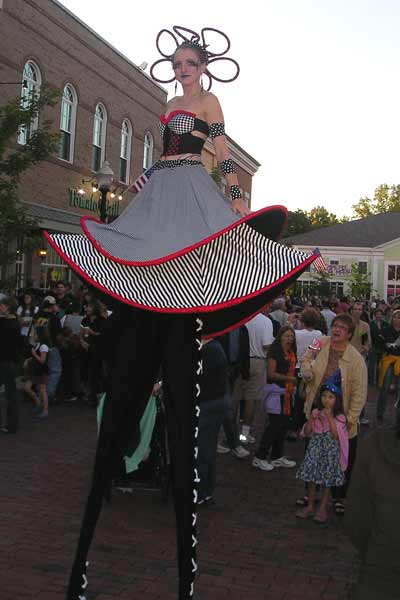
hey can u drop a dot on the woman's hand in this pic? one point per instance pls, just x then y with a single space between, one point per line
315 413
306 376
239 207
156 389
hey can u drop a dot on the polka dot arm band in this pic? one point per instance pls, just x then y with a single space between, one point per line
217 129
235 192
227 166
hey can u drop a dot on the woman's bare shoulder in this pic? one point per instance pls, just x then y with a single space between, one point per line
172 104
211 108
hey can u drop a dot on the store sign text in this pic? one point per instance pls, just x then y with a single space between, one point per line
335 270
91 203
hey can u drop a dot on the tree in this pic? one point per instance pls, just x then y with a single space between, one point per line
386 199
298 222
320 217
19 231
301 221
321 284
216 176
360 283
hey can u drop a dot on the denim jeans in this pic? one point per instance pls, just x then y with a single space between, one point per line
55 368
8 374
212 413
382 398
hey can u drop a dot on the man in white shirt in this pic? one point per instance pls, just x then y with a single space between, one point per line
260 338
309 320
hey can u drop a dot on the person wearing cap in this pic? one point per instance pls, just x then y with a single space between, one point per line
10 336
47 317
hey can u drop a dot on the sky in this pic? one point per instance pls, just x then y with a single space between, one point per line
317 101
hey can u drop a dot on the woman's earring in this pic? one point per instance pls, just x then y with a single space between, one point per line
201 83
176 87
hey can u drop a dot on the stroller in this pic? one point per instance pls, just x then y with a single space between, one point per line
148 468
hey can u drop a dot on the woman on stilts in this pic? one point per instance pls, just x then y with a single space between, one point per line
185 263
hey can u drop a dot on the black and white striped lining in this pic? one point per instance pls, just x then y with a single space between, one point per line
233 265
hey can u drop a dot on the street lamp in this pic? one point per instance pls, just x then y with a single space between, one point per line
105 177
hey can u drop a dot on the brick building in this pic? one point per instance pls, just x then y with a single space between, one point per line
108 110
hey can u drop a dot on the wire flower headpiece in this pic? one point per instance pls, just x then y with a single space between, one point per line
186 38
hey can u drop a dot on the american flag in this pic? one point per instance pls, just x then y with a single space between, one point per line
319 262
139 183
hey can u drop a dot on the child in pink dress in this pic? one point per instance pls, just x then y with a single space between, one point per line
327 453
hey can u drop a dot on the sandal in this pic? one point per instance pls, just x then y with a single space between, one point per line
302 501
338 508
305 513
321 517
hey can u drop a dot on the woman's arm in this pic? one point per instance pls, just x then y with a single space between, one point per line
308 427
273 375
214 114
39 356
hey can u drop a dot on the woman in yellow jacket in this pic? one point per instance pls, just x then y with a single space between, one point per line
337 353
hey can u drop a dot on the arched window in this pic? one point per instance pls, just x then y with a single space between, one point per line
148 151
125 152
67 123
99 137
31 81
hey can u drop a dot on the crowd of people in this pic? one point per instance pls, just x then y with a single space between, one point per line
305 364
54 343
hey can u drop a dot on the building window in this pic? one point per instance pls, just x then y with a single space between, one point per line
147 151
53 269
67 123
333 262
125 152
30 85
363 267
99 137
393 281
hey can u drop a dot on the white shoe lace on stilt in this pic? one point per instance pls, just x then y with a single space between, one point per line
196 478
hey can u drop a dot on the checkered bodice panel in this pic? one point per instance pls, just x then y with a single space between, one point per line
176 131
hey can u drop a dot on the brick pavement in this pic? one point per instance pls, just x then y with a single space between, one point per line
251 547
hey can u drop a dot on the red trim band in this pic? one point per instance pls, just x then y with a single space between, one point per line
167 119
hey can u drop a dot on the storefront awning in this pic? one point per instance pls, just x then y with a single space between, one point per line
54 219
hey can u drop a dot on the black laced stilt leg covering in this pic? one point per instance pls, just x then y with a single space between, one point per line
145 342
182 375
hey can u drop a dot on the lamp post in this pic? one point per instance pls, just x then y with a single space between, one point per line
105 178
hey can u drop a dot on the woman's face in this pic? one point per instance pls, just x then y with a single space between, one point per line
89 310
27 299
328 399
396 320
287 339
187 66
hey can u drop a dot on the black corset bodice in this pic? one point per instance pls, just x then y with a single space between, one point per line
176 131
